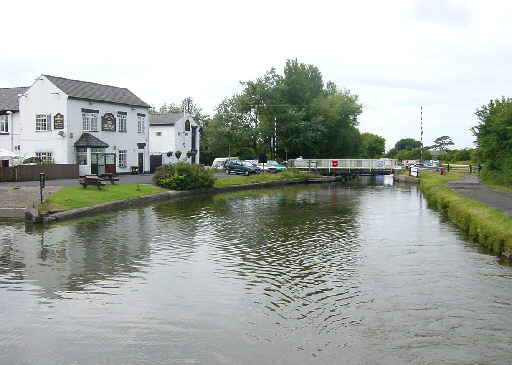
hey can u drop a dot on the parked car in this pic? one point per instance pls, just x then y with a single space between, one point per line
241 167
219 162
272 166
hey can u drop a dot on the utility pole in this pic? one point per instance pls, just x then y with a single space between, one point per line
421 134
275 138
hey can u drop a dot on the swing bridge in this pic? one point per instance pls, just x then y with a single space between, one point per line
338 166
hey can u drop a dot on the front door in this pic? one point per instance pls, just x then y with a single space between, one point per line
94 164
141 162
110 163
154 162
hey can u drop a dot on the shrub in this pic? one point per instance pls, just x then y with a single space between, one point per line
182 176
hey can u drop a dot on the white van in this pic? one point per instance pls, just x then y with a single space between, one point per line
219 162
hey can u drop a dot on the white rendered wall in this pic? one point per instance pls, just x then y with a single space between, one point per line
42 98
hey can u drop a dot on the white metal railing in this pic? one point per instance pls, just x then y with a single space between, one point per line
343 164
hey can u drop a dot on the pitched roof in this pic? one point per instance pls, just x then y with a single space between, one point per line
88 140
9 98
98 92
164 119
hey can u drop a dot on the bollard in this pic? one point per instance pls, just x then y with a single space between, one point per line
441 170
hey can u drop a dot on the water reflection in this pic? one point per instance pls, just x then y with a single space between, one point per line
67 258
331 273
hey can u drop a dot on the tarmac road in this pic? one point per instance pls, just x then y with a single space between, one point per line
471 188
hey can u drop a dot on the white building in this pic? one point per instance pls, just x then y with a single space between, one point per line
169 133
102 128
9 117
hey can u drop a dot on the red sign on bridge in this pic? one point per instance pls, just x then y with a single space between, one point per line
334 163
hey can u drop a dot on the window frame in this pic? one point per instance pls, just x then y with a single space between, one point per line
43 120
122 158
121 122
141 123
4 124
45 156
90 121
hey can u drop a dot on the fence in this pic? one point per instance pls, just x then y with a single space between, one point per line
31 172
465 169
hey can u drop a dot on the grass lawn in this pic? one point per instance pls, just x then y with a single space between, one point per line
73 197
257 178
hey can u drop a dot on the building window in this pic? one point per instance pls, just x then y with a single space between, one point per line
90 121
81 156
45 156
4 124
158 134
121 121
187 126
141 118
122 158
43 122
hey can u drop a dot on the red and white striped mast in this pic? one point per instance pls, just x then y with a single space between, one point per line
421 134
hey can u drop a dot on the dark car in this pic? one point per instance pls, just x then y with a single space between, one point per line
241 167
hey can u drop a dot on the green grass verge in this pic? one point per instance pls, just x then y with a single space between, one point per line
258 178
489 227
73 197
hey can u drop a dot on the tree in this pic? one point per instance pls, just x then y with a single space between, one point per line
407 144
441 143
494 137
310 120
373 145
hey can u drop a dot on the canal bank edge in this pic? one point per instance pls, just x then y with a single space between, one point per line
484 225
32 215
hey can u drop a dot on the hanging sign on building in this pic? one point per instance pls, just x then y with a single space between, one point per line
108 122
58 121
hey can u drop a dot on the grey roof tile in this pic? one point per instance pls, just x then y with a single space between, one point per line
9 98
98 92
164 119
88 140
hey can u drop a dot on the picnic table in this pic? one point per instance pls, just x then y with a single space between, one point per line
92 180
110 177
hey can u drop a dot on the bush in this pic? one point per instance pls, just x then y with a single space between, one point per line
182 176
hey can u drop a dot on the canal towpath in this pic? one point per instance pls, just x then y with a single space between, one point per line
471 188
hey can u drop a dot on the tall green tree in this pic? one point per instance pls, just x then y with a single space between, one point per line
307 118
407 144
373 145
442 143
494 138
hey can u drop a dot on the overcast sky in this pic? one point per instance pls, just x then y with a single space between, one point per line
450 57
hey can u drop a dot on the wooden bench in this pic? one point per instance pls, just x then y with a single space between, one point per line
92 180
109 177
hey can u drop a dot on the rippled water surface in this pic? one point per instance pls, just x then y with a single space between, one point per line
303 274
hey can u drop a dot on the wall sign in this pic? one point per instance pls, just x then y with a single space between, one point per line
108 122
58 121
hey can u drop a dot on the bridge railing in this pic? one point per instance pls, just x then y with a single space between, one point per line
345 164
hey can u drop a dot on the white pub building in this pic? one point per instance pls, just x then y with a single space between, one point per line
105 129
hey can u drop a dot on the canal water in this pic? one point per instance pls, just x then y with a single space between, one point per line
330 273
